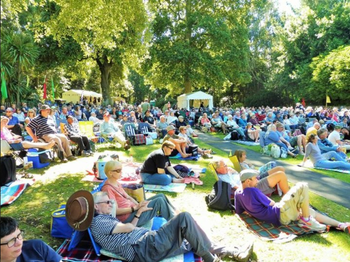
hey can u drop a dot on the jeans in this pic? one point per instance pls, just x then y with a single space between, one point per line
334 155
156 179
169 240
161 207
333 164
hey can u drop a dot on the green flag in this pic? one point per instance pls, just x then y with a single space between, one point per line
52 88
3 86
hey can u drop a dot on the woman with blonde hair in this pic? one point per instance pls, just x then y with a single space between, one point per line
126 206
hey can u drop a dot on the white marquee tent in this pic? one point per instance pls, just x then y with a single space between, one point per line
194 100
74 95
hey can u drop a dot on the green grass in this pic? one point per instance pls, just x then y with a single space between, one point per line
33 211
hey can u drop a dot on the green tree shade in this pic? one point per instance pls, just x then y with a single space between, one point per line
19 54
108 33
197 44
332 75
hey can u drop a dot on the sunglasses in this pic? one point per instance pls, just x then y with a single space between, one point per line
106 202
117 170
171 148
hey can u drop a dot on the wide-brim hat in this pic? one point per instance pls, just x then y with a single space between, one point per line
80 210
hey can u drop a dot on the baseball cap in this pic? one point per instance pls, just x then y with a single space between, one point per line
9 109
169 128
44 107
248 173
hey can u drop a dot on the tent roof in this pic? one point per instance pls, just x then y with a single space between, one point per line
85 93
197 95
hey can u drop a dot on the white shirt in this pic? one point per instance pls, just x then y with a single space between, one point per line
333 137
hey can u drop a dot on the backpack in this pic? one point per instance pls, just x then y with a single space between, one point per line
7 170
182 170
275 151
220 197
193 149
234 135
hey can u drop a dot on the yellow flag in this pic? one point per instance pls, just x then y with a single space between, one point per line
328 100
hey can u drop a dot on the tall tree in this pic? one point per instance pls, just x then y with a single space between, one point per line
108 32
197 44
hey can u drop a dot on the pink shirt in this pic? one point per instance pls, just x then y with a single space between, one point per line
6 135
120 196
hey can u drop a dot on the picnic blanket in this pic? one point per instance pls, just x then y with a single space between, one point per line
178 156
335 170
173 187
85 252
196 180
269 232
247 143
11 191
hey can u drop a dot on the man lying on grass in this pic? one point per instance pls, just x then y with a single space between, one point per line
293 206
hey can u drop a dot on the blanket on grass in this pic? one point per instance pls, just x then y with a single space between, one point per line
178 156
11 191
335 170
269 232
173 187
247 143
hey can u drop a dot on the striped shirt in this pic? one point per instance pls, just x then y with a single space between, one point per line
120 243
42 125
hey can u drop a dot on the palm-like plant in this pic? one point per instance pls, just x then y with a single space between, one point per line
19 54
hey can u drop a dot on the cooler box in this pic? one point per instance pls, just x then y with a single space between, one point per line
33 155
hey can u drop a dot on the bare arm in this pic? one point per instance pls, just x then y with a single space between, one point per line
173 172
32 135
123 228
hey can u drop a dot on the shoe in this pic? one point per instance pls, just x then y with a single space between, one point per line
85 153
90 152
344 227
213 152
126 146
72 158
312 224
64 160
241 254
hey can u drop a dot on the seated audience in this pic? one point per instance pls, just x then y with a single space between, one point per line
30 115
326 146
161 126
293 206
217 121
183 133
319 160
108 128
312 130
179 142
171 119
205 121
126 206
20 116
140 244
73 132
252 133
94 119
272 136
14 125
264 171
266 185
42 126
157 168
14 248
291 141
233 126
14 139
181 122
334 138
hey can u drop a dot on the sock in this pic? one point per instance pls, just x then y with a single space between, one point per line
306 219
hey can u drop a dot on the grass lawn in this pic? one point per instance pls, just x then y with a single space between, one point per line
33 210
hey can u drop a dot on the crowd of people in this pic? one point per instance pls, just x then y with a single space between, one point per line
116 219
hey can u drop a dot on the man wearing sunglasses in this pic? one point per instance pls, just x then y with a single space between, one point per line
14 248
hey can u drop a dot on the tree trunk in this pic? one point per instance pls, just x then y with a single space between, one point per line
105 69
187 72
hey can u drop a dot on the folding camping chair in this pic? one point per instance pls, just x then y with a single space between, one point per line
130 132
235 163
87 128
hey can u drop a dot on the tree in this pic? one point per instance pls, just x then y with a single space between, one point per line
108 33
19 54
197 44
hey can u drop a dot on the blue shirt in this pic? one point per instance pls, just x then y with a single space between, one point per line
13 121
38 251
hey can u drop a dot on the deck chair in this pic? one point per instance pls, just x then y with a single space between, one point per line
130 132
211 167
235 163
87 128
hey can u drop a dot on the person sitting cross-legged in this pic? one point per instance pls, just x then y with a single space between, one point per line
140 244
157 168
292 207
